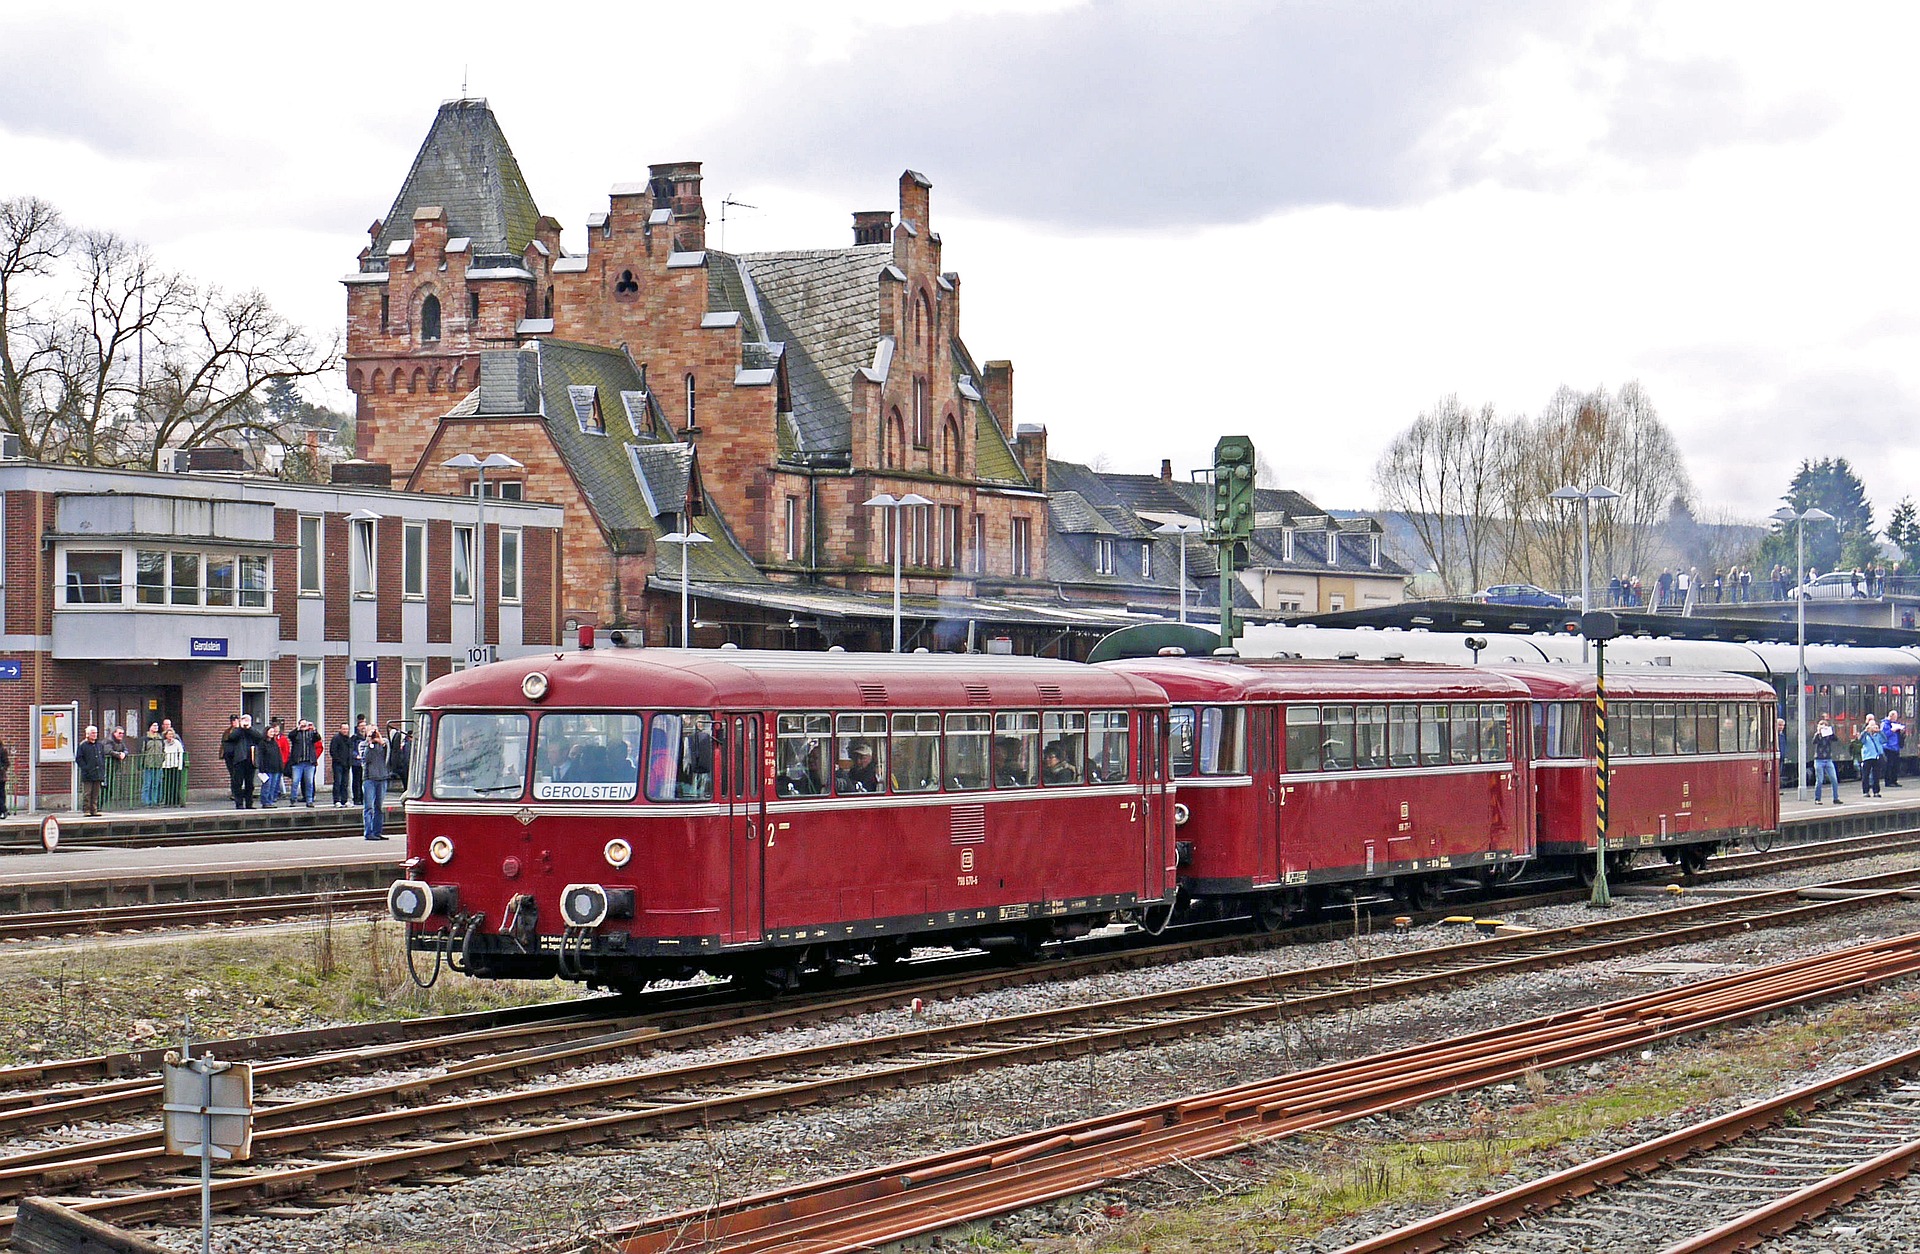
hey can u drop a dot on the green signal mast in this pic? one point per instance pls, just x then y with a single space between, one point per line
1233 481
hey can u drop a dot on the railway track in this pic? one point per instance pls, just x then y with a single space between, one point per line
1720 1185
461 1118
149 916
873 1208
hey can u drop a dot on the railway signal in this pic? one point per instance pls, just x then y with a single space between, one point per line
1233 483
1599 626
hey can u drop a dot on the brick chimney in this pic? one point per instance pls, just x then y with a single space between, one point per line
676 186
1030 450
873 226
1166 470
996 384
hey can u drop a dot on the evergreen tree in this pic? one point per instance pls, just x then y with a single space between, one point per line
1904 530
1848 541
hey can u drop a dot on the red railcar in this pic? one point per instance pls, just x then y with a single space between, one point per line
627 815
1692 762
1299 777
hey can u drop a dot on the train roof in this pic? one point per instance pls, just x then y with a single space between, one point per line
741 678
1273 679
1566 683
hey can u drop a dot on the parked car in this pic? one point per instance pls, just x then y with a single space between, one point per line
1521 594
1836 585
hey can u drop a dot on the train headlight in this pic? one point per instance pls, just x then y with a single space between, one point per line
441 849
1180 814
584 905
414 901
534 686
619 853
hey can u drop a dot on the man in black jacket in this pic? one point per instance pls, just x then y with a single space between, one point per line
90 759
238 749
303 756
340 752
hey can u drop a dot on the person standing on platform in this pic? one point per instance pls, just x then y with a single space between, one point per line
1824 771
1870 755
150 766
399 757
119 754
340 754
373 785
303 754
6 764
90 759
272 762
238 749
173 767
360 726
1893 738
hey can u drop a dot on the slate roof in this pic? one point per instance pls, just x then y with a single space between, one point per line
466 168
1073 514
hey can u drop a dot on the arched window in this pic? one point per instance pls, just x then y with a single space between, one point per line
950 447
693 406
923 322
473 306
549 305
896 439
385 306
430 320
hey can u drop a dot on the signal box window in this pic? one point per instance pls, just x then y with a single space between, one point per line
916 752
1016 750
480 756
1108 750
968 738
1063 747
801 746
1303 738
586 757
93 577
679 758
860 765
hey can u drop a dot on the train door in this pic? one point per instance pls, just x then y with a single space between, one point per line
1153 799
746 820
1263 760
1516 836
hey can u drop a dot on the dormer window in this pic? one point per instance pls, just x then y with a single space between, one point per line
1373 551
1103 557
1333 544
1146 559
1286 544
430 320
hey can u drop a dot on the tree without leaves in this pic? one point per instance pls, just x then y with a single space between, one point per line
105 358
1448 474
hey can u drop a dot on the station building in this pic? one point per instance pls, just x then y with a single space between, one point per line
147 596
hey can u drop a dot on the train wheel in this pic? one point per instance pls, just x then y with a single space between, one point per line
887 953
1693 859
1419 892
1583 867
1270 913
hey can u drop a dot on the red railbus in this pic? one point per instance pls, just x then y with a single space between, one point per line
620 816
1692 762
1296 778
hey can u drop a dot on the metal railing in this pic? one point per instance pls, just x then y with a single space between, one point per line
144 781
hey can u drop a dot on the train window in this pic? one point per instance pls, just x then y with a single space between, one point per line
1686 728
1546 725
968 737
417 764
480 756
1107 748
1750 729
1223 740
1575 730
1370 733
916 752
1730 739
590 757
1303 738
801 745
860 755
1063 747
1336 737
1466 733
1493 733
1180 740
679 758
1639 729
1663 729
1708 723
1433 735
1016 749
1403 735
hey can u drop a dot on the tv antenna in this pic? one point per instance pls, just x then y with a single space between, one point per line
725 204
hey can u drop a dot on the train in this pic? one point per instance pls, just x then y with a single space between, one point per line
626 816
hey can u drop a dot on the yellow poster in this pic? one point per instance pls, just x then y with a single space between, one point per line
56 735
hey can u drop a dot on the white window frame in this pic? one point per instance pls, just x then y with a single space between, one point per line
1103 556
316 668
977 559
1146 559
125 592
318 550
510 587
363 543
1020 544
413 678
413 561
461 562
793 528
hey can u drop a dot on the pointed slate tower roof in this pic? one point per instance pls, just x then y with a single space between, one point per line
466 168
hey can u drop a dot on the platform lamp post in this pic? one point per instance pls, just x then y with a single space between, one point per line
1599 626
1183 530
359 517
1586 497
888 501
1785 514
686 538
480 465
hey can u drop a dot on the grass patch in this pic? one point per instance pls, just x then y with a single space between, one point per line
102 995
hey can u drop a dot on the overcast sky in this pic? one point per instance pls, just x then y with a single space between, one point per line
1302 221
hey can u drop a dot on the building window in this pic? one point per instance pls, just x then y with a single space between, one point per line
1286 544
1333 545
504 489
1373 551
950 536
413 562
473 306
364 704
463 563
256 581
1103 557
413 677
793 529
977 559
1146 560
310 693
93 576
693 406
513 490
253 673
896 439
309 555
919 411
386 312
510 565
430 320
950 448
361 559
548 314
184 588
1022 548
223 581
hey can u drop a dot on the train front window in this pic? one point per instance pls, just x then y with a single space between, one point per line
802 746
1223 740
1107 749
417 765
1303 738
480 757
589 757
1180 729
679 757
